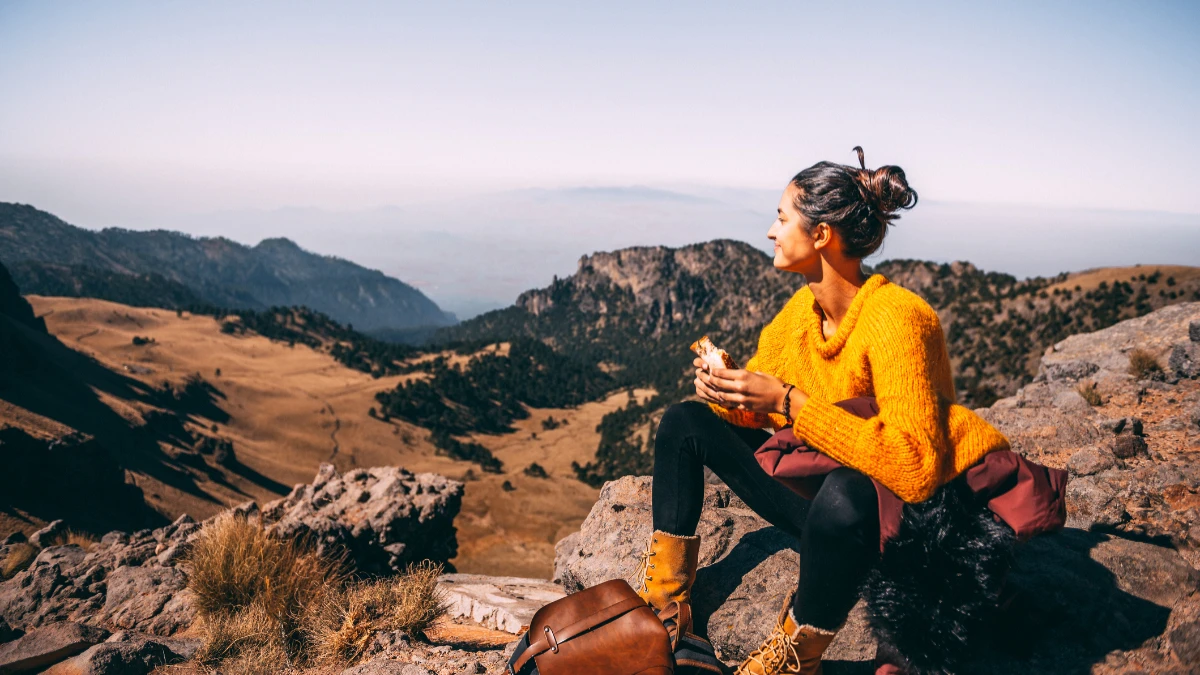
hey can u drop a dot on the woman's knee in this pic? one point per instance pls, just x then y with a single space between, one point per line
683 419
845 506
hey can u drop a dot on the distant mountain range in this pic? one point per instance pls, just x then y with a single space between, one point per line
47 256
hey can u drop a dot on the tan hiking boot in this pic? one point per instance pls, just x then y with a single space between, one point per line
790 649
667 569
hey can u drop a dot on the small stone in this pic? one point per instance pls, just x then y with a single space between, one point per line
1194 331
1091 460
1128 445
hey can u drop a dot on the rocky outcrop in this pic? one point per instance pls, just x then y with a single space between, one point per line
1114 592
121 582
130 583
385 518
1071 587
1132 457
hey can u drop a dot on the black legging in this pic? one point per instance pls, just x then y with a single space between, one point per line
839 539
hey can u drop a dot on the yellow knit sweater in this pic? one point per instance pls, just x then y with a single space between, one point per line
888 345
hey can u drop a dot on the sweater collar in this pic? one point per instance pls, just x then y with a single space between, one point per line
812 319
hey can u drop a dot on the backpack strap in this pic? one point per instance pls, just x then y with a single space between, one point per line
551 639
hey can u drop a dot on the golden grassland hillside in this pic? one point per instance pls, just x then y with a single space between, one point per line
282 408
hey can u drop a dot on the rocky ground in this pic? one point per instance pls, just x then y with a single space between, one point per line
1114 592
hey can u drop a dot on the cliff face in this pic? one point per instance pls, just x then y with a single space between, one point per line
276 272
725 284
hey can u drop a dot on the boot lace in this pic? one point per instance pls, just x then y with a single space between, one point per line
775 654
641 575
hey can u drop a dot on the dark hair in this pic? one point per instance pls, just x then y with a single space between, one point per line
857 202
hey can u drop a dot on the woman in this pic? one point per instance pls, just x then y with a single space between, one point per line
843 335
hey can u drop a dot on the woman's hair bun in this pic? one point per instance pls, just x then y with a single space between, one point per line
858 202
884 189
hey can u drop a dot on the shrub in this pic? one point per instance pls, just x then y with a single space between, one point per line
535 470
342 627
138 340
1089 393
1142 363
507 486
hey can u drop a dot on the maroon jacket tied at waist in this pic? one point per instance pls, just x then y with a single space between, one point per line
1028 497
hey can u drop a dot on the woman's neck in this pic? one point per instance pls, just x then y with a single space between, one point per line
833 294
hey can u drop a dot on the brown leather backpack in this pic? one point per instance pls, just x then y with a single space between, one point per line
603 630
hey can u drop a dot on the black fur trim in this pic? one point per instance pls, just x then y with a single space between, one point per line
938 580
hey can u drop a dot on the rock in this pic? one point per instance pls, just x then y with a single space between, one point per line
385 517
1072 401
389 644
1091 460
1077 597
1194 416
48 645
48 535
1184 361
1185 644
1129 445
1093 502
387 667
185 647
7 634
129 655
1117 425
747 567
149 599
500 603
13 538
1194 331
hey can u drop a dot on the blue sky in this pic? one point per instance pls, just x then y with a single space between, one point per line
154 114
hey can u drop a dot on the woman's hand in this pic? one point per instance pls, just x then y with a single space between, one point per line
756 392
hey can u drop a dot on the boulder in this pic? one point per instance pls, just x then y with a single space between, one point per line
48 534
48 645
384 517
1076 598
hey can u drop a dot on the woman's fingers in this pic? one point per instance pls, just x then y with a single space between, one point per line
704 392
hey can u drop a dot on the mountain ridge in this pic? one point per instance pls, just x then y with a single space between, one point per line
274 272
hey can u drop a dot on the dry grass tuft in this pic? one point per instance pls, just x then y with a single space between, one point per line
1089 393
251 589
341 629
19 557
83 540
235 563
1142 364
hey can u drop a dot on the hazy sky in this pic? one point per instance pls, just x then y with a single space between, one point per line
153 114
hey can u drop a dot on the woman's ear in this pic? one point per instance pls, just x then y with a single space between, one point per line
822 235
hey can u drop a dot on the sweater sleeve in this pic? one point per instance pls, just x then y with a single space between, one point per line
766 360
746 418
902 447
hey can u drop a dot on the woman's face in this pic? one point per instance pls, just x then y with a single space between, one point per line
795 250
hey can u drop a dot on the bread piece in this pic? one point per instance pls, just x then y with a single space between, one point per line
712 355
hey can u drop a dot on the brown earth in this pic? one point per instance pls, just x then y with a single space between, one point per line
291 408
